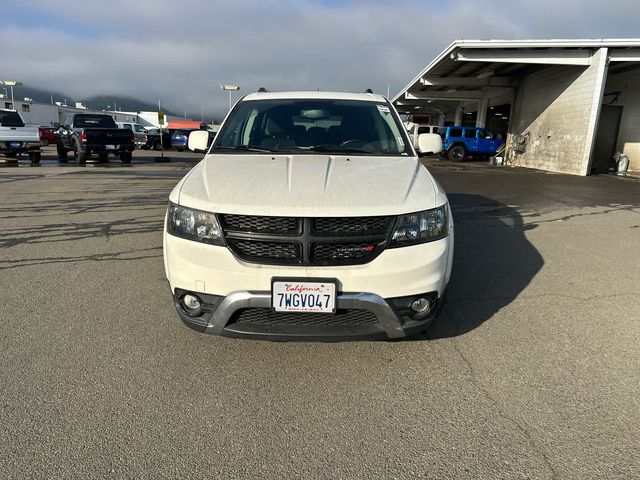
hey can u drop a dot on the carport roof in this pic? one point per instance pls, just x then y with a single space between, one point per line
466 68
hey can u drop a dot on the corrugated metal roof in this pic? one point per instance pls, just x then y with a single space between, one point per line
446 64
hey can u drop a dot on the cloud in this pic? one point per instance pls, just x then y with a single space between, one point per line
180 52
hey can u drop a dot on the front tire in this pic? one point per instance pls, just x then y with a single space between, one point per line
125 157
35 157
457 153
81 156
157 146
62 152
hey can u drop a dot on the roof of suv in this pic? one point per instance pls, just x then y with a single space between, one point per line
370 97
465 128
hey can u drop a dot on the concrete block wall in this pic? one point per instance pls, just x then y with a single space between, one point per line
557 108
628 84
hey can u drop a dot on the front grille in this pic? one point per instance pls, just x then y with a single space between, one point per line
258 224
343 226
268 250
306 241
266 316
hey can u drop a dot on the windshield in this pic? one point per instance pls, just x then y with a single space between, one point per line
11 119
97 121
311 126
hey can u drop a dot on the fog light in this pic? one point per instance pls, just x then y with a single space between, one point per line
191 304
421 305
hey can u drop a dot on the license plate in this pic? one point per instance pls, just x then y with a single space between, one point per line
317 296
110 147
15 144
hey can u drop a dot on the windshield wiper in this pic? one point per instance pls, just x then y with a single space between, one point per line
245 148
339 149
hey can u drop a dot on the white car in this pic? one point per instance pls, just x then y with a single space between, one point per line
417 129
310 217
17 138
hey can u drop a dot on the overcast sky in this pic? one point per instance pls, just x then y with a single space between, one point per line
180 52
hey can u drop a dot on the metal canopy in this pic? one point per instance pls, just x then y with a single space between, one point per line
473 70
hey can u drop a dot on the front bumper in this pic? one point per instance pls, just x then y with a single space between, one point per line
359 316
368 301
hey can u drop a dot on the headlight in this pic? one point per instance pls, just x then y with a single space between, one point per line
420 227
194 225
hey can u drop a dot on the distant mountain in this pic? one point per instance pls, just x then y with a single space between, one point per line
37 95
127 104
100 102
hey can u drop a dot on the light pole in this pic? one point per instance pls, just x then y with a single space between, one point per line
230 88
11 84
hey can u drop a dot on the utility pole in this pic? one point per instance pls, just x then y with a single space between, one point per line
161 122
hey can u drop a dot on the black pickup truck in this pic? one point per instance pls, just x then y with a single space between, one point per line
153 139
87 133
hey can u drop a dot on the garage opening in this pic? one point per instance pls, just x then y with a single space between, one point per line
619 122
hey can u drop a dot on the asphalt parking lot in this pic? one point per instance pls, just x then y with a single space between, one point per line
532 370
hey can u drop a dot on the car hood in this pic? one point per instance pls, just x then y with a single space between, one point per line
309 185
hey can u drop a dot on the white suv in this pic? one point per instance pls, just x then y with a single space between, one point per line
310 217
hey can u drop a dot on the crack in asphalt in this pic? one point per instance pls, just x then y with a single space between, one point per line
66 232
535 447
100 257
577 298
465 216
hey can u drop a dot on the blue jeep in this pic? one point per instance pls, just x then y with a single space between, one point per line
458 142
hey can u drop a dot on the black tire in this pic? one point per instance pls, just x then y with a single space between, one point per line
62 152
45 142
103 156
145 147
157 146
125 157
80 156
457 153
180 149
35 157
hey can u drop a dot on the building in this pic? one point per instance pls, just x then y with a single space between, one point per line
50 114
563 105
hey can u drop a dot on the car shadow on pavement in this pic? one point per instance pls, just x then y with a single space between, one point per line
493 263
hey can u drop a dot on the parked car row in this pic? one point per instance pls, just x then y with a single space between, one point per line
459 142
149 138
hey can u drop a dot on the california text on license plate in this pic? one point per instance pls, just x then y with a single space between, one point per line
303 296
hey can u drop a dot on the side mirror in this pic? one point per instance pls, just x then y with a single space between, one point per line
198 141
429 143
